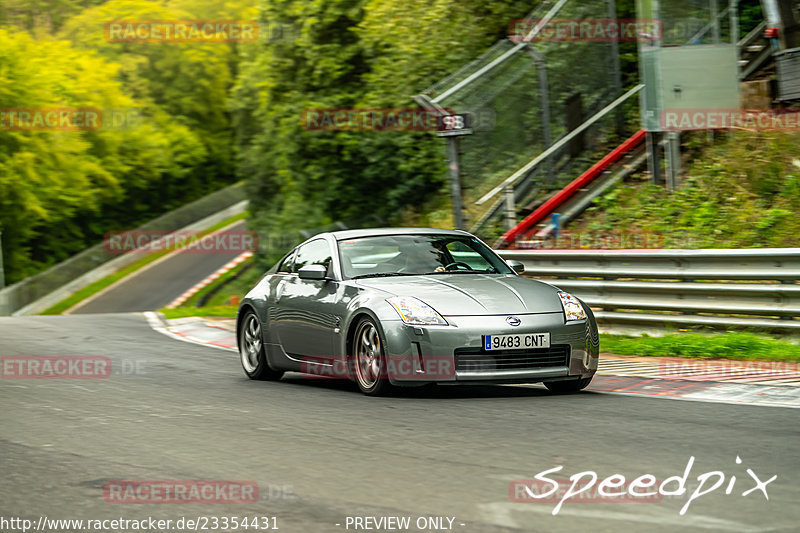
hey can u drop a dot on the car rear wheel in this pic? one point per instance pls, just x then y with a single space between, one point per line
251 350
568 386
369 359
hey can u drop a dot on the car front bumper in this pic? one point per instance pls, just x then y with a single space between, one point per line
455 353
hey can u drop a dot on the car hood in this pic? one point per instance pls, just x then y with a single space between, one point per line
473 294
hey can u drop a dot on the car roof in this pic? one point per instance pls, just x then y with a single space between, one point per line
374 232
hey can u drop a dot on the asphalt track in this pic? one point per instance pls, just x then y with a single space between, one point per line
320 451
161 282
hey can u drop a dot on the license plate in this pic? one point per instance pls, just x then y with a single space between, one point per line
516 341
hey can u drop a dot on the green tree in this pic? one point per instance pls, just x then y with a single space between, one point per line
340 54
40 16
188 81
60 190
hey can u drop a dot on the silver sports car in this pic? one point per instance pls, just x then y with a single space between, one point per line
409 306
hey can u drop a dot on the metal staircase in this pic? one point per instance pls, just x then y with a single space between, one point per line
573 199
755 55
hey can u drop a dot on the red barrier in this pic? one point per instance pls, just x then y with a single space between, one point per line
578 183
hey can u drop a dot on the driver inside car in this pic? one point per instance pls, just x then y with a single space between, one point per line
420 260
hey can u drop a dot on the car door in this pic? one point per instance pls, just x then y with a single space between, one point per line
275 284
304 321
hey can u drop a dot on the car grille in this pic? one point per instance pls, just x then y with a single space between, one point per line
479 360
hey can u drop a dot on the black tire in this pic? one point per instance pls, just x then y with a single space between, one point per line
368 359
567 386
251 350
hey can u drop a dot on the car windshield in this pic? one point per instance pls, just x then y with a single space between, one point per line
397 255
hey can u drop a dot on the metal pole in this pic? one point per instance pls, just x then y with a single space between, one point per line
673 160
453 164
544 96
715 19
669 176
511 209
486 68
653 159
544 101
455 182
733 14
616 71
676 138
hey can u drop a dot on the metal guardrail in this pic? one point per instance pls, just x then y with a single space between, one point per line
754 288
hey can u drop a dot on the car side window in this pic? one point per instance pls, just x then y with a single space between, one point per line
286 265
316 252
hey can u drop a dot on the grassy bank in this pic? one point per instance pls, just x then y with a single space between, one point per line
742 191
729 345
224 311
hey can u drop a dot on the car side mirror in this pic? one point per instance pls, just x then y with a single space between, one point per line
315 272
516 266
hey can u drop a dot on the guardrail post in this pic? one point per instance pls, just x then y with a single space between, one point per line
556 224
672 150
653 158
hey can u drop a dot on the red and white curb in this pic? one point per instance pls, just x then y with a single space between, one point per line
772 384
763 383
698 391
244 256
216 334
725 371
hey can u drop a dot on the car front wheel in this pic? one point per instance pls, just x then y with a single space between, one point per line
251 350
369 359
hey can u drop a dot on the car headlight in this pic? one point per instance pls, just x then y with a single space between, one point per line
416 312
573 310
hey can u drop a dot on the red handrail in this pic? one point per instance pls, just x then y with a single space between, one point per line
578 183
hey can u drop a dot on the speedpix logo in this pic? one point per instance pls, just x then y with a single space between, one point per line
616 488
